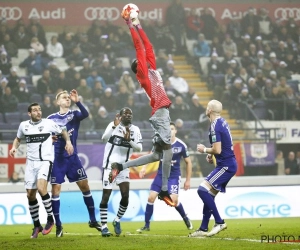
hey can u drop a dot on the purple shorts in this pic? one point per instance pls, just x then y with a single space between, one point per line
219 178
173 184
67 166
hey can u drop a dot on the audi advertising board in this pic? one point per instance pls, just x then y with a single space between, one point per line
81 14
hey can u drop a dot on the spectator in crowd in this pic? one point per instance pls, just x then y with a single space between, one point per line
163 39
275 104
214 66
298 159
45 85
108 100
22 92
169 68
122 96
68 44
280 163
244 100
106 71
290 164
36 29
128 82
70 71
216 46
291 101
86 71
261 60
235 66
63 82
9 101
274 61
54 70
33 63
77 56
5 62
55 48
259 44
84 90
233 94
104 46
118 70
283 86
265 24
10 47
260 78
293 65
21 38
13 78
102 119
282 70
267 89
227 59
281 51
136 109
234 27
243 75
194 24
179 83
253 52
210 25
273 78
36 45
175 19
95 107
267 68
250 20
181 131
179 109
97 91
201 47
93 77
196 109
3 85
170 91
47 106
246 60
87 48
229 45
254 90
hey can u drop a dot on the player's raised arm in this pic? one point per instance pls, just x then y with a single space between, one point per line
75 98
16 144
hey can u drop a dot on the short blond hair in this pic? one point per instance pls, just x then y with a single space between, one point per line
60 93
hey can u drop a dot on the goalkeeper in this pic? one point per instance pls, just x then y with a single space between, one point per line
144 66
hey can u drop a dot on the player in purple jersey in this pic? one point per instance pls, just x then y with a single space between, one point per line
179 150
222 148
70 166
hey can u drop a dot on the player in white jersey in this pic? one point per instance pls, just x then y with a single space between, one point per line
121 138
40 155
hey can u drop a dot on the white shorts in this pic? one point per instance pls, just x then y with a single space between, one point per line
36 170
123 176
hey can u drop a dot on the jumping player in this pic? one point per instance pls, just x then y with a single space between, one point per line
121 138
145 69
222 148
66 165
179 150
40 156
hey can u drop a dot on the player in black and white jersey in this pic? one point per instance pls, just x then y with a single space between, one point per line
121 138
40 155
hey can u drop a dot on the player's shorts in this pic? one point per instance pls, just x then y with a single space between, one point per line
67 166
123 176
36 170
173 184
219 178
160 122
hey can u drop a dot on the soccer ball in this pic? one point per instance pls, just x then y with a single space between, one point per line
130 10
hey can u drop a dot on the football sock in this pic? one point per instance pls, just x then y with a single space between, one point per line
209 201
103 213
148 214
48 207
205 219
122 208
145 159
55 207
89 202
180 210
166 168
34 212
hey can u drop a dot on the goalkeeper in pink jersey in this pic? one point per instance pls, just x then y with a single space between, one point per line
145 69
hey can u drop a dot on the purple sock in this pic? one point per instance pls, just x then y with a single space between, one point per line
148 214
89 202
55 207
180 210
210 203
205 219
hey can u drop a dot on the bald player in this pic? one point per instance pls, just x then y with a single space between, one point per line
222 149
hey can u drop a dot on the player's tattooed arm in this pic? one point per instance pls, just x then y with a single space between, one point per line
16 144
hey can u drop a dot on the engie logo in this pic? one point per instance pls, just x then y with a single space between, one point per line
258 205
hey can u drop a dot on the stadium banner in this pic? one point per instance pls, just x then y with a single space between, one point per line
237 203
61 13
259 154
91 156
287 131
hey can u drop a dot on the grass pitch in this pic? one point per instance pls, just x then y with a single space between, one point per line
241 234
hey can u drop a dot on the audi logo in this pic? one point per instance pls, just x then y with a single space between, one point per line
286 13
10 13
198 11
103 13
